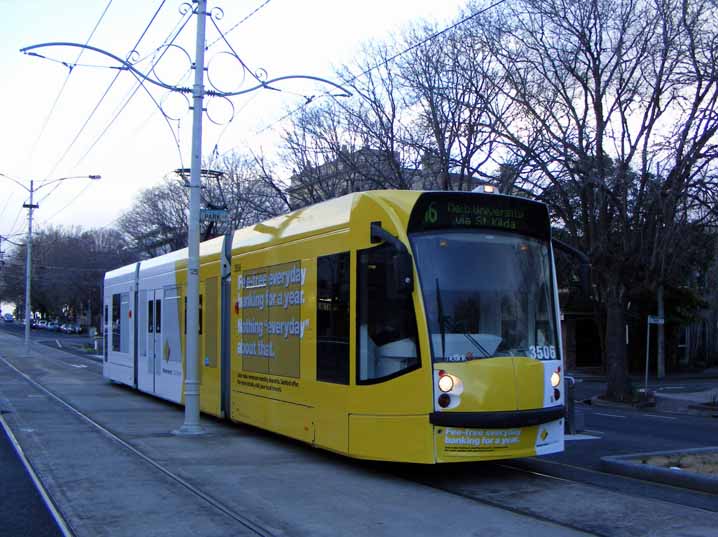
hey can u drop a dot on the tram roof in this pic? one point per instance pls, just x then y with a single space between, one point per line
326 216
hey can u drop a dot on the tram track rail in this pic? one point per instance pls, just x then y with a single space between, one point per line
506 479
246 522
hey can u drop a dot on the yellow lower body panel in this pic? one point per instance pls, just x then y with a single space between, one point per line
281 417
391 438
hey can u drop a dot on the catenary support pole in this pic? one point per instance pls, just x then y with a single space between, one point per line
191 425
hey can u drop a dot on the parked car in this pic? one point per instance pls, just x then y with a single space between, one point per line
42 324
53 326
8 318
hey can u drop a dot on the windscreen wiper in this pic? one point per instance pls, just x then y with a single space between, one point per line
444 319
441 320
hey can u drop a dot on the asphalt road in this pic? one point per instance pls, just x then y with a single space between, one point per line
68 342
626 430
617 431
22 510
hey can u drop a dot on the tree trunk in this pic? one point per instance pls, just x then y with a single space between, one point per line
619 384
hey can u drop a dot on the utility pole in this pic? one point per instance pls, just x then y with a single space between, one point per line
191 424
28 265
28 261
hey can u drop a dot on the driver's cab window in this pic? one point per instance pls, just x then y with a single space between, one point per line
386 324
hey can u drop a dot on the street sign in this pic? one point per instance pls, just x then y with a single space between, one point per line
653 319
213 215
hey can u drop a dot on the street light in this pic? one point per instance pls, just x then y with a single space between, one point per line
28 264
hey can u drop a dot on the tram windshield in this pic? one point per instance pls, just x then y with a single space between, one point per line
486 294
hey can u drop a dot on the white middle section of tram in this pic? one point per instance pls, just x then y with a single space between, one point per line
146 325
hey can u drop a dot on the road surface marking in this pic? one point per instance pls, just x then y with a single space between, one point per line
79 366
570 437
609 415
662 417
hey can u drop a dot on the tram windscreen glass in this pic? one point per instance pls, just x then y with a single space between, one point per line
487 293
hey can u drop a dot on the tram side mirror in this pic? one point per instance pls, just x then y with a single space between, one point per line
400 269
584 266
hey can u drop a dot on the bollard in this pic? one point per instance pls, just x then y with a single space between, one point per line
570 423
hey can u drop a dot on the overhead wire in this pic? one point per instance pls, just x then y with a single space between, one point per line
140 85
64 85
17 216
242 21
104 95
309 99
57 99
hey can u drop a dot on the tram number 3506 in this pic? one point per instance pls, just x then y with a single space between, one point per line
547 352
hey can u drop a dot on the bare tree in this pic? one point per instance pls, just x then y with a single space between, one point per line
361 143
614 122
67 270
448 85
157 221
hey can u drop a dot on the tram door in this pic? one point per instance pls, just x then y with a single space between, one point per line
154 327
150 327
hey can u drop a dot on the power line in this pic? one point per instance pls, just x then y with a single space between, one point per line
104 95
309 99
17 216
169 40
64 84
50 267
244 19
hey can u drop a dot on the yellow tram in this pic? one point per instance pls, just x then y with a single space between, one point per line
391 325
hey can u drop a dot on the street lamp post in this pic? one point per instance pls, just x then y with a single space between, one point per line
28 262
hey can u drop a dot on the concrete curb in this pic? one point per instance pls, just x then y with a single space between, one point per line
597 401
627 465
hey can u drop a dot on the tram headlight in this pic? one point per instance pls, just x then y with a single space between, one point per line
446 383
556 378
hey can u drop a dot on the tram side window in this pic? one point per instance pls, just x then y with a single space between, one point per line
120 322
333 318
387 333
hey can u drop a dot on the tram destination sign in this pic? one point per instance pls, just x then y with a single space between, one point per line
469 210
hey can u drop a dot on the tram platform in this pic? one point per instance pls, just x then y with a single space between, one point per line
110 465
